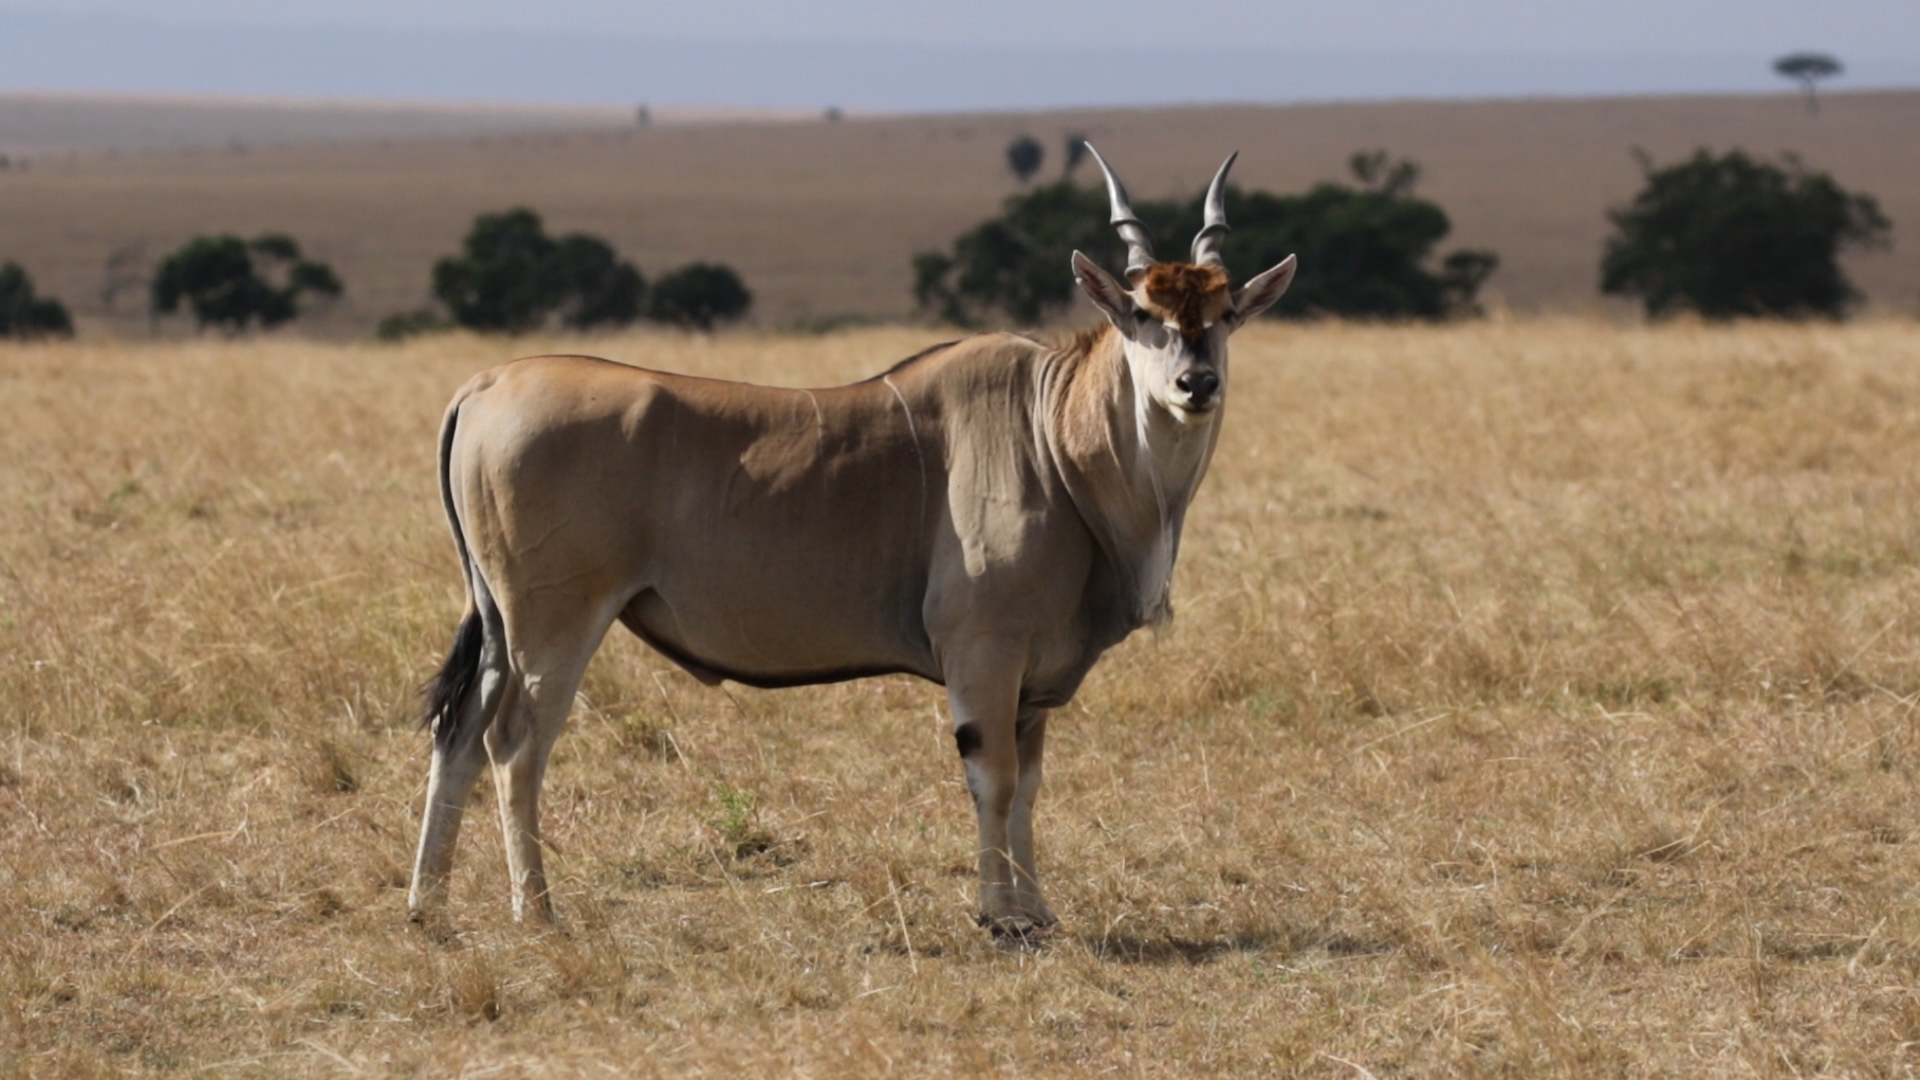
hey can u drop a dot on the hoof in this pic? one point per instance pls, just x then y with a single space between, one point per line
1020 931
437 926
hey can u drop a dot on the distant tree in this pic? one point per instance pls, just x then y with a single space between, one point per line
24 315
126 271
699 295
1363 250
503 282
1017 263
402 325
234 283
511 277
1076 152
1731 236
1805 68
1377 171
596 287
1024 156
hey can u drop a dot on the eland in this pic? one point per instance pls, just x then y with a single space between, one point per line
991 514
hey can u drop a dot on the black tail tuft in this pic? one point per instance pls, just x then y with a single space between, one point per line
449 689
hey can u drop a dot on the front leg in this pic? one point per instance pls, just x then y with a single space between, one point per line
1031 738
983 690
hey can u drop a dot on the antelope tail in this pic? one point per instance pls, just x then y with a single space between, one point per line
445 695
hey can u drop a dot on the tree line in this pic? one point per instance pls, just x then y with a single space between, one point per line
1363 249
1722 236
509 277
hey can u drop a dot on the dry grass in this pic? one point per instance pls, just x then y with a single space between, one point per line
1541 703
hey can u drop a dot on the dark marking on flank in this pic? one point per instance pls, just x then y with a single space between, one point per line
966 739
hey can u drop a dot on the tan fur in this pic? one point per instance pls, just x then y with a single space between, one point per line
1190 297
992 515
987 516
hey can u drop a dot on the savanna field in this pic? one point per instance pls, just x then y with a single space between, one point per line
1541 701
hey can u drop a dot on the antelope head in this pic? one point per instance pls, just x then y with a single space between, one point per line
1174 318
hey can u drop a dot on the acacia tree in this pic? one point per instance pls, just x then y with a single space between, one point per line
235 283
1731 236
1806 68
25 315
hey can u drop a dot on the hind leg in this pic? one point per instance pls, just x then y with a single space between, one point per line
545 677
456 767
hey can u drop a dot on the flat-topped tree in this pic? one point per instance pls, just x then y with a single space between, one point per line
1806 68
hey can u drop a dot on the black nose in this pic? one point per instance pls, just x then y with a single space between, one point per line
1199 385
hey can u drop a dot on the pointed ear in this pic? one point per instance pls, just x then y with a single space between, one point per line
1103 289
1259 294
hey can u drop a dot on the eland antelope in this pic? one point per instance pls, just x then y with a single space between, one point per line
992 515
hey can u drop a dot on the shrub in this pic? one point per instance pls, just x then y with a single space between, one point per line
24 315
698 295
1363 249
1730 236
235 283
511 277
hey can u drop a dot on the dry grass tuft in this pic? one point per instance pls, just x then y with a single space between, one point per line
1542 702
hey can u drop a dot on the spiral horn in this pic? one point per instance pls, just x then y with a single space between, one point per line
1139 245
1214 228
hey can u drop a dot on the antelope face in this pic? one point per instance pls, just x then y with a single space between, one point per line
1174 324
1178 346
1174 318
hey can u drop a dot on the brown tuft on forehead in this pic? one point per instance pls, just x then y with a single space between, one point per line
1188 296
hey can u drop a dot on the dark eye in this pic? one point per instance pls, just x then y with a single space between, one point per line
1140 317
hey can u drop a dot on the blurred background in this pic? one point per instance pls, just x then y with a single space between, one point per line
818 151
912 57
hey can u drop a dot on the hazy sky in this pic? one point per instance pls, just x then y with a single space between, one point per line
1879 27
897 55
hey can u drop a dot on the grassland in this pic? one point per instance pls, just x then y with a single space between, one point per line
40 125
823 219
1541 702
